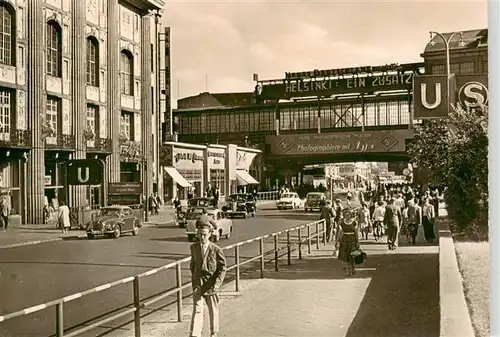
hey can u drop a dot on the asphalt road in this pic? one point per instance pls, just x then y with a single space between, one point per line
36 274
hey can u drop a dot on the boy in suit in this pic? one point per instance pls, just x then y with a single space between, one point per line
208 268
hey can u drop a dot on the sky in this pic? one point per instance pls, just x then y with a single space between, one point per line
218 46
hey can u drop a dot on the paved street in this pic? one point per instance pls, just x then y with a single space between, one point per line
39 273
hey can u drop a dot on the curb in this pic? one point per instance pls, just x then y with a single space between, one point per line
455 318
36 242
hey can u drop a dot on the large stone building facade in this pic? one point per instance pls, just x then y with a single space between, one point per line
77 81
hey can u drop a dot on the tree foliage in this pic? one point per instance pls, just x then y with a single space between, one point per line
455 151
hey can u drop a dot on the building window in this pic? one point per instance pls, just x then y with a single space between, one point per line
92 62
54 44
439 69
455 68
7 40
218 179
92 117
52 113
5 116
467 68
126 73
126 128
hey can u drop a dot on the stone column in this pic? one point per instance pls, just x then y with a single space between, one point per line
146 98
78 92
36 110
113 91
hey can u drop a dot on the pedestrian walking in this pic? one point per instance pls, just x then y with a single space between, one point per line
153 206
208 268
338 212
63 217
392 221
414 219
328 214
364 220
4 213
378 218
347 241
216 197
428 220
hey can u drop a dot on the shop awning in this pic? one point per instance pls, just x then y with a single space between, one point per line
244 178
177 177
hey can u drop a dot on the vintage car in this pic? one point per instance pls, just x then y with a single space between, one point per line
181 220
224 226
314 201
114 221
240 205
289 200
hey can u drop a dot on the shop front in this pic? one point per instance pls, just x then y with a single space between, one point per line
11 180
244 158
216 168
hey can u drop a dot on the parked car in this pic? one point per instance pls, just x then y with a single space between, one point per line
289 200
192 203
224 226
314 200
240 205
114 221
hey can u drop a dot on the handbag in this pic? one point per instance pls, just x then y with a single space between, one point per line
358 256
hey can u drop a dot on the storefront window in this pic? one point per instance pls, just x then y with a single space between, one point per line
54 182
218 179
9 182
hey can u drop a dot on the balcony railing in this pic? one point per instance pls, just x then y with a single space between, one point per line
15 138
61 141
101 145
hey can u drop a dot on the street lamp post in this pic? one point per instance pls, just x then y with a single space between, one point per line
448 65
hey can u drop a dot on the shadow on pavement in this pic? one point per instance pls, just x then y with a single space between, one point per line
172 239
402 299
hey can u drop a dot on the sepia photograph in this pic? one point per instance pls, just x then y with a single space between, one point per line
269 168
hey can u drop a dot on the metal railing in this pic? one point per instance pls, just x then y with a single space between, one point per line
270 195
306 236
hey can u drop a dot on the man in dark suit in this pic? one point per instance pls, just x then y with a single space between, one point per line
392 221
208 268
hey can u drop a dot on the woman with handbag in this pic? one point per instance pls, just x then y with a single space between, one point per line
347 241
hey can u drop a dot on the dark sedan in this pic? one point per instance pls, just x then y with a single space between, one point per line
114 221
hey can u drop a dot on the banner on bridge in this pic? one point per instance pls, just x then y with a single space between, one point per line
339 142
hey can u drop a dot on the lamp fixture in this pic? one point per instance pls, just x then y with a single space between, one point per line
431 42
462 42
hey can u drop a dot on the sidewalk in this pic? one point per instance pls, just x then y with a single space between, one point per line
394 294
23 235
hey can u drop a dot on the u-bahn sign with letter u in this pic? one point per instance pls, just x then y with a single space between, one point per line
430 100
85 172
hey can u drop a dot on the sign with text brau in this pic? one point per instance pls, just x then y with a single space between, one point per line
339 142
244 159
429 96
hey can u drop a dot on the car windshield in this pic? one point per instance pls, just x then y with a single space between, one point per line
287 195
193 214
199 202
238 197
314 196
110 211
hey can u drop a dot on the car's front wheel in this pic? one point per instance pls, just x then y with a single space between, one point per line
118 232
136 229
228 235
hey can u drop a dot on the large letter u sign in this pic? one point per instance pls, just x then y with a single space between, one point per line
423 96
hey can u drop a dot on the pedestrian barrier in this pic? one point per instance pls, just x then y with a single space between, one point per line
269 195
306 235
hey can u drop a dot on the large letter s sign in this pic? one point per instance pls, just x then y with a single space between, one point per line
423 96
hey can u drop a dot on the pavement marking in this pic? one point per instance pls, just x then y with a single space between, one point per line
104 286
1 318
72 297
29 243
366 269
35 308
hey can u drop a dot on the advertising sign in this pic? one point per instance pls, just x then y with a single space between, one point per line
328 87
191 159
339 142
85 172
130 188
429 96
244 159
216 158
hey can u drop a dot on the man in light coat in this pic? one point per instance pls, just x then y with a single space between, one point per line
208 269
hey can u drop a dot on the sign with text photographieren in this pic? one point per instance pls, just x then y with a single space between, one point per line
339 142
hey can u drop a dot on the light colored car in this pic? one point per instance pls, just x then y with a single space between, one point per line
114 221
289 200
224 226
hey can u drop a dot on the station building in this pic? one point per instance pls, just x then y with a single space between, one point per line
332 102
77 81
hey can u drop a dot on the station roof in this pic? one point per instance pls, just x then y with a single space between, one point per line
472 39
207 100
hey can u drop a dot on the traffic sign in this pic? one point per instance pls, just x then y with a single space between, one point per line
85 172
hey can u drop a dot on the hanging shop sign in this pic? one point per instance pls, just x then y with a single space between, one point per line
216 158
244 159
188 158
